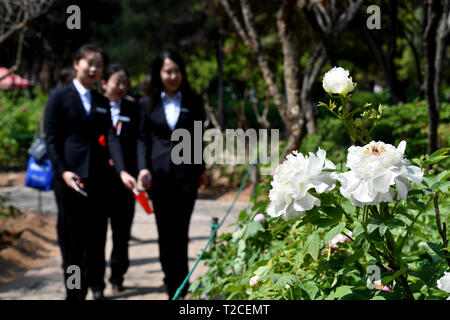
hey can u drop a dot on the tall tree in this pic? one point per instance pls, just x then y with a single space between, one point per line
329 22
435 35
293 101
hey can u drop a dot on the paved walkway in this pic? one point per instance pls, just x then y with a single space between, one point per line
144 279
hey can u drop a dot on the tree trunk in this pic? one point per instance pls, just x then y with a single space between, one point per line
432 15
295 114
220 101
311 73
386 62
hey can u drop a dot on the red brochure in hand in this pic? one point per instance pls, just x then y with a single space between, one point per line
141 196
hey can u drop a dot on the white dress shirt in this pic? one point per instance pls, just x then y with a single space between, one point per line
172 108
115 111
85 95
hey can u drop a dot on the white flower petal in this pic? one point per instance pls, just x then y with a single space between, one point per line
293 178
374 169
444 282
306 203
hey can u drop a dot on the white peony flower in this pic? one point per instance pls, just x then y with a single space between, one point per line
289 196
444 282
253 280
338 81
374 168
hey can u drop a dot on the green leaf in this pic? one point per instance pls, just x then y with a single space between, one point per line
443 176
440 152
332 212
418 204
357 231
443 186
278 228
334 232
242 215
426 245
393 223
436 157
342 291
311 289
401 210
285 279
253 228
366 246
373 225
382 229
388 279
324 222
437 248
312 245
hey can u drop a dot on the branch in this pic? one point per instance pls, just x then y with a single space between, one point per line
237 24
12 31
251 40
313 69
347 16
211 117
261 118
16 65
322 17
263 63
441 229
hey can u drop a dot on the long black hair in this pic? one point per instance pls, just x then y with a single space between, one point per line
156 86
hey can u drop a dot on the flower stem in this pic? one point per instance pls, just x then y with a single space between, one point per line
441 229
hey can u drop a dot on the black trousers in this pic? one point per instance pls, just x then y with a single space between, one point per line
173 203
118 205
76 229
121 217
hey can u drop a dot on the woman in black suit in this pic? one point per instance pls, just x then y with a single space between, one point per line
171 106
78 129
125 113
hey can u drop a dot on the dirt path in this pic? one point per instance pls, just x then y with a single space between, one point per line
144 277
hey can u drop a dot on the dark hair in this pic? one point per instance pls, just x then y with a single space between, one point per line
156 86
90 47
66 75
113 68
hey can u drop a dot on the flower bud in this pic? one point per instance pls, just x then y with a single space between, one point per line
338 81
253 280
259 217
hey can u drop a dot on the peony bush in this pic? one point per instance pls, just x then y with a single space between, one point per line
373 227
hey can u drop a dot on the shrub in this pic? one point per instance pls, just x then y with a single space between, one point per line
18 119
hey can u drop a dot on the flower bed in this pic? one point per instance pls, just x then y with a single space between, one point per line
372 227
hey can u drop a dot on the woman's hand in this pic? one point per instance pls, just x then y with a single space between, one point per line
69 177
145 178
128 180
203 180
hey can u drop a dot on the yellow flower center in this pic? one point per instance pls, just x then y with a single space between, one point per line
374 151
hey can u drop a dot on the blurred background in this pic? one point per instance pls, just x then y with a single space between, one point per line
258 64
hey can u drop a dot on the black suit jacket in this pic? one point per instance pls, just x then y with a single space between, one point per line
72 136
126 158
155 145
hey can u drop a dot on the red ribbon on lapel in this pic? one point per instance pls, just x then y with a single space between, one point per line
102 140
